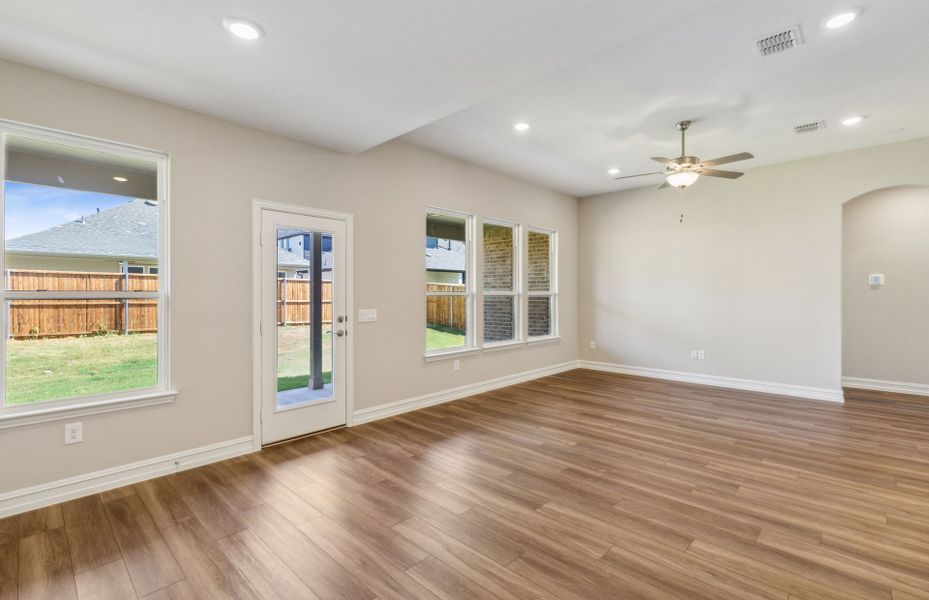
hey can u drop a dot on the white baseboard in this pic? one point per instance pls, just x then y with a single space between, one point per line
782 389
366 415
46 494
899 387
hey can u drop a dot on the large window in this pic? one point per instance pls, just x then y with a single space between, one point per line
542 284
501 283
449 289
84 294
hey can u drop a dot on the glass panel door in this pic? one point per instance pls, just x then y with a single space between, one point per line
304 325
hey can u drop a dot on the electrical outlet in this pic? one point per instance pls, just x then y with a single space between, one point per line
701 355
74 433
693 355
457 364
593 345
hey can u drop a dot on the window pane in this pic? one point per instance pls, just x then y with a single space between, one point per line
78 219
498 257
71 348
540 316
446 322
498 318
446 250
304 353
540 268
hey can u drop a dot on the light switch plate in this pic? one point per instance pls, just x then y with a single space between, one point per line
876 279
367 315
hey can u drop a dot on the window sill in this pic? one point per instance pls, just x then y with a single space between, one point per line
504 346
450 354
548 339
93 407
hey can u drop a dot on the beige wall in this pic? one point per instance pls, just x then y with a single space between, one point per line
217 168
752 276
885 330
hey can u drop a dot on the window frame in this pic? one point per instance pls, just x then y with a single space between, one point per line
515 292
469 292
64 408
552 292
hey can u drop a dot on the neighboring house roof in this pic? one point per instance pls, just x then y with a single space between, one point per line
446 259
292 260
286 258
129 230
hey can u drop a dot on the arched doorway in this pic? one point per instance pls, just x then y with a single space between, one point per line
885 291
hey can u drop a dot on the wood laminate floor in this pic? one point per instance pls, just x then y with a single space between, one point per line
582 486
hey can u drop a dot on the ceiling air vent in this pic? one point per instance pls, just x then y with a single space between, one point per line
779 42
810 127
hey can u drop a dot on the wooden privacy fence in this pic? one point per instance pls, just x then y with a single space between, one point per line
293 301
62 318
446 311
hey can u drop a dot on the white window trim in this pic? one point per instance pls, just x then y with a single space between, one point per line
516 292
53 410
469 346
552 292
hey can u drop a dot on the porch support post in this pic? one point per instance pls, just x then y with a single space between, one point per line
316 309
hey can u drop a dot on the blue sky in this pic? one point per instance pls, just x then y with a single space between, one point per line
30 208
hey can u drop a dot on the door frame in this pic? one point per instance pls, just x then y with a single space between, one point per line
296 209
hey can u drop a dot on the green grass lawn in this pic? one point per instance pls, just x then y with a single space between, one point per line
293 356
50 369
439 337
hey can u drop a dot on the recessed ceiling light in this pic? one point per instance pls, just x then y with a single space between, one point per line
613 171
852 120
243 28
841 19
521 126
120 179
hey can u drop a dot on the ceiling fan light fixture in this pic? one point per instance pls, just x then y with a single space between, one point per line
682 179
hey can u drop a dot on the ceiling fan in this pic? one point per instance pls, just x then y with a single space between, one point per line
684 170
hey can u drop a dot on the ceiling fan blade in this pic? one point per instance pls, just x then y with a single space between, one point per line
718 173
661 160
727 159
640 175
664 185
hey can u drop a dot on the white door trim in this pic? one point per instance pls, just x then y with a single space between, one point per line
258 206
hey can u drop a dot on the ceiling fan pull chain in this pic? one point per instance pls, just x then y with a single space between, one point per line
682 205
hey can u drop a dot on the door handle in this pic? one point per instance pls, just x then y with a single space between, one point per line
340 332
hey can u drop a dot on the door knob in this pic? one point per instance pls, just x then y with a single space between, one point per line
340 332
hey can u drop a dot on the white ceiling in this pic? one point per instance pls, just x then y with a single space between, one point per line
601 81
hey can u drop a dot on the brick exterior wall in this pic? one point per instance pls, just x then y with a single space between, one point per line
540 314
498 275
498 318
